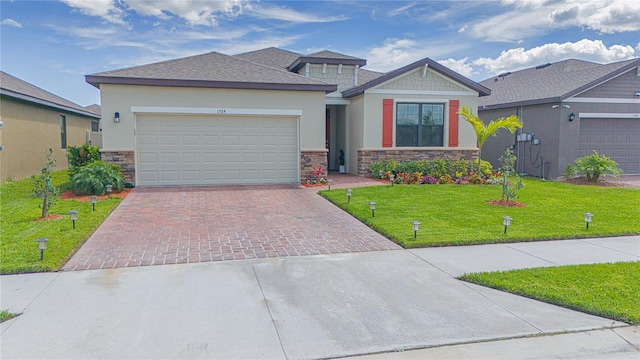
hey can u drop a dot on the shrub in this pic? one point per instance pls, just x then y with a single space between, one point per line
428 179
91 179
413 178
593 166
446 179
81 156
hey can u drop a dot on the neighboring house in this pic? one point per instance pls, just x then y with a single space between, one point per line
273 116
568 109
34 121
95 136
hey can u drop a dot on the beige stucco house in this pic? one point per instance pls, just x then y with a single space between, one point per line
272 116
34 121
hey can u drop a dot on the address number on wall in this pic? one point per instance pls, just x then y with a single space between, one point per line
221 111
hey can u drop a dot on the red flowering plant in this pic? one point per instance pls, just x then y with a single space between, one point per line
317 177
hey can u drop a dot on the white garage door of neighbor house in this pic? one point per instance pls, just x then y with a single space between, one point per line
618 139
207 150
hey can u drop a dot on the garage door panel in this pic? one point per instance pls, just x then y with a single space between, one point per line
168 140
618 139
169 158
169 175
191 158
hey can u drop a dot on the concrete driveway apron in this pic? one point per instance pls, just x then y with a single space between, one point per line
172 225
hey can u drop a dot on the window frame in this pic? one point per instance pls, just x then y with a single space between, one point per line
63 131
420 126
95 124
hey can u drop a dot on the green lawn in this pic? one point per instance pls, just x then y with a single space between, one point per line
607 290
461 215
19 232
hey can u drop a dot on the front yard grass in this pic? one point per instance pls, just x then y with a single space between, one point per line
460 214
607 290
19 231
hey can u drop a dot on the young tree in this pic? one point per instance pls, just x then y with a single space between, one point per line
483 131
42 187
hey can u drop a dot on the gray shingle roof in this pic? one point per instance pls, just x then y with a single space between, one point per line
483 91
549 82
327 54
20 89
210 70
272 57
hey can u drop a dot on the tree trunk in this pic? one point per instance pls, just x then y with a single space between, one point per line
45 202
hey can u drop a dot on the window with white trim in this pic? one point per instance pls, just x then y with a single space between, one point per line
419 124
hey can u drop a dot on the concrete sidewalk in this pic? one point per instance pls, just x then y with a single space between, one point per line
313 307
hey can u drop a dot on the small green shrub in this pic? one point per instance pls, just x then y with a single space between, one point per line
445 179
81 156
592 167
92 178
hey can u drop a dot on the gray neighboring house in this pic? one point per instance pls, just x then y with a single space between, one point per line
568 109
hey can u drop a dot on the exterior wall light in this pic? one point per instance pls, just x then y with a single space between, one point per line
109 189
73 215
94 200
329 182
506 221
587 219
116 117
42 245
572 116
372 206
415 226
349 191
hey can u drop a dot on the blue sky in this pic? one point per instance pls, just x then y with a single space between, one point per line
53 44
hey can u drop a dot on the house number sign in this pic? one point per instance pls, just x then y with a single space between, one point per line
221 111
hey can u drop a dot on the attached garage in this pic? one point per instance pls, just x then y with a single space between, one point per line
216 149
616 138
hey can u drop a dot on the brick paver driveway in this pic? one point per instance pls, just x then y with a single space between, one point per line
192 224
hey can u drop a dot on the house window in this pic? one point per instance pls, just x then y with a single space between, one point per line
95 126
419 124
63 131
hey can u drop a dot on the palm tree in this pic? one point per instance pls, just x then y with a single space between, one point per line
483 131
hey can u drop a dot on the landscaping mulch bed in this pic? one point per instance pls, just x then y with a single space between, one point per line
509 203
69 195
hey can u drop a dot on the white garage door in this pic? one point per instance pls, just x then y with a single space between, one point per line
618 139
194 149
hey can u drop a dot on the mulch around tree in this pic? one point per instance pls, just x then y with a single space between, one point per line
508 203
69 195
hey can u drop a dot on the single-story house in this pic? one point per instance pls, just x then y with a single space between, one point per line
568 109
34 121
273 116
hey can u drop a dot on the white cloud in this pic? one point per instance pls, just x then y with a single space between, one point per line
463 29
588 50
193 12
400 10
533 17
106 9
288 14
461 66
391 54
11 22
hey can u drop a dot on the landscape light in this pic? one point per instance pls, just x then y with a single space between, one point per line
391 178
506 221
109 189
372 206
349 191
73 215
94 200
587 219
42 245
415 225
329 182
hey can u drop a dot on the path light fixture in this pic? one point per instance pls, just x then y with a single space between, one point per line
391 178
506 221
587 218
109 189
380 174
349 191
329 182
372 206
415 226
73 215
42 245
94 200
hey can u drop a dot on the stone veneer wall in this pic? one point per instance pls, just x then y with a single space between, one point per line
366 157
310 161
126 161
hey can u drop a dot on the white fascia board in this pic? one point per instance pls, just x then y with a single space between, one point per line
609 115
336 101
421 92
602 100
213 111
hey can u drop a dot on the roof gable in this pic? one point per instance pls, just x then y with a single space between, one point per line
550 82
272 57
431 65
213 70
414 80
20 89
325 57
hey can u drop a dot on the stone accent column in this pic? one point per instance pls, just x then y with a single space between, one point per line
366 157
124 159
311 160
